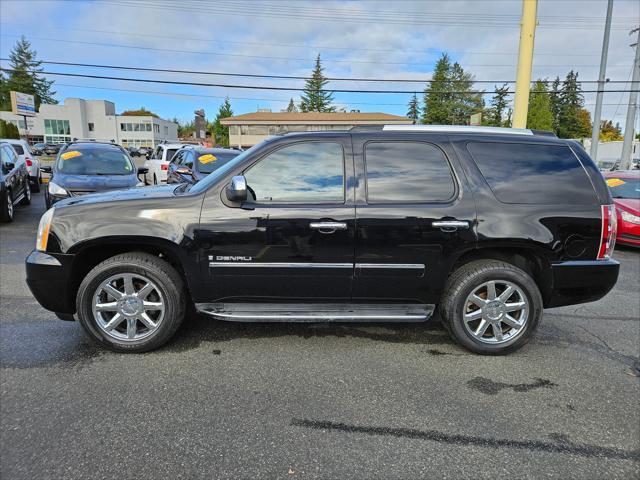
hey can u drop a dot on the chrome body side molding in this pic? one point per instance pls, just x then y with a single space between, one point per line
317 312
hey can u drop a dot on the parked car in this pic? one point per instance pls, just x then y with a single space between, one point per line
133 151
488 225
625 189
192 164
14 182
33 164
51 148
37 148
90 167
144 151
158 163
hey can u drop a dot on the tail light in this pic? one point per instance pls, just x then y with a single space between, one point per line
29 162
164 166
609 231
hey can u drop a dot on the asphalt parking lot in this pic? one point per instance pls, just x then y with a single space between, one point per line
227 400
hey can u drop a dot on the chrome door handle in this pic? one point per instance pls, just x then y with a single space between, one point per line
450 225
333 226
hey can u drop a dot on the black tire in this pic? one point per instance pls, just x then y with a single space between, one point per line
35 186
26 200
157 270
465 280
6 212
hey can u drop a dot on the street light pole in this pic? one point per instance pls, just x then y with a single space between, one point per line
525 61
629 127
595 132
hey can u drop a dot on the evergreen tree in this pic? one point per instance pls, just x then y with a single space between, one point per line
499 102
8 130
414 109
25 76
539 115
448 98
315 98
555 102
571 121
292 106
5 99
220 131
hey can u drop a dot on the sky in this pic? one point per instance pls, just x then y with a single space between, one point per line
392 39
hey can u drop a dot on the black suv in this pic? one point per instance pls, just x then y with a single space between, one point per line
489 226
14 182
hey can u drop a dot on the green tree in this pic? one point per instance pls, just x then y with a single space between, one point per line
5 100
292 106
449 97
315 98
493 116
25 76
572 122
555 98
220 131
8 130
539 115
414 109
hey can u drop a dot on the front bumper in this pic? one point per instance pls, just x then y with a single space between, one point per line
581 281
49 279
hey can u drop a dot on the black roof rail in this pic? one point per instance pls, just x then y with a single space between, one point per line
365 128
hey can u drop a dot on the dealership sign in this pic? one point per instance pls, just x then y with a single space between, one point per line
23 104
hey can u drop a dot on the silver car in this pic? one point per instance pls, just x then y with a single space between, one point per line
33 164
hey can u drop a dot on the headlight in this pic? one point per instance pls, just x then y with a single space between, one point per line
43 230
55 189
629 217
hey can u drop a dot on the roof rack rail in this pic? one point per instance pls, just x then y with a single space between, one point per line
464 129
365 128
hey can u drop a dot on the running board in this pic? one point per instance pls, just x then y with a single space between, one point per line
316 312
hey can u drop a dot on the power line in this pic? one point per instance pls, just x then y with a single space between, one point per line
316 47
290 77
265 57
262 87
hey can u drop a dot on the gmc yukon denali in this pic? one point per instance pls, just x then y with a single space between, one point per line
487 226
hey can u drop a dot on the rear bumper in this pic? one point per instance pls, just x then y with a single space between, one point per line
49 279
582 281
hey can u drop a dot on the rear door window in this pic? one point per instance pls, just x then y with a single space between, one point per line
18 148
533 173
407 172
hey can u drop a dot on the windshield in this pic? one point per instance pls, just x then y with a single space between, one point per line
210 160
624 187
222 171
94 161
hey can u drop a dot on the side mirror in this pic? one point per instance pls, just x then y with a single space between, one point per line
237 189
9 166
47 169
142 170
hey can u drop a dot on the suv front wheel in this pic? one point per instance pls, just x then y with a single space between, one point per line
491 307
133 302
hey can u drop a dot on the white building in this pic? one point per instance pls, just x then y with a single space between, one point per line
92 119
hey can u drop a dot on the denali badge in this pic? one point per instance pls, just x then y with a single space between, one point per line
225 258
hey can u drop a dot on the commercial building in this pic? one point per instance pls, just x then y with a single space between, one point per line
95 120
251 128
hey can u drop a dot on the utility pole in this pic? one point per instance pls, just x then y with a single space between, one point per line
595 132
629 127
525 61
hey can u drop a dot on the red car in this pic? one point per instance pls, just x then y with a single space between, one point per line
625 189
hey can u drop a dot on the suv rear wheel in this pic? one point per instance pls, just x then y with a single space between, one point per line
133 302
491 307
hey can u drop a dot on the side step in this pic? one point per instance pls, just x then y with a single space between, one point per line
317 312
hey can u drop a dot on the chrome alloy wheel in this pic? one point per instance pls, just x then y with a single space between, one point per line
128 307
496 312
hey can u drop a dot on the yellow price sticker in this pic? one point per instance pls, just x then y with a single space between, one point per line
207 158
615 182
71 154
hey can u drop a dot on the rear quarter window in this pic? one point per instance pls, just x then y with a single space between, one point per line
533 173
